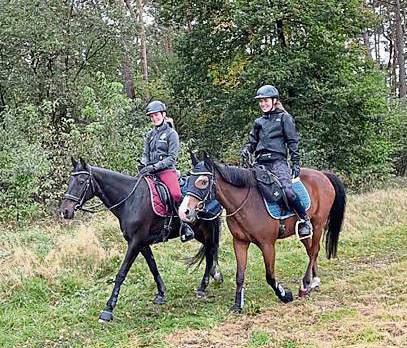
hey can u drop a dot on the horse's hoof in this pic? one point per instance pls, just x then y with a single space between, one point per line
315 284
159 300
236 309
303 292
218 277
288 297
105 317
200 294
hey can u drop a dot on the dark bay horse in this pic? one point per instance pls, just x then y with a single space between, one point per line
248 221
128 198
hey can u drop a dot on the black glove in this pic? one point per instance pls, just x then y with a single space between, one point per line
147 170
295 170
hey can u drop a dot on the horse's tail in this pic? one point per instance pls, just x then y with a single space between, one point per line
214 229
336 215
197 258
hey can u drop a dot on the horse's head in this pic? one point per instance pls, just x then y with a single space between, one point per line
200 188
80 189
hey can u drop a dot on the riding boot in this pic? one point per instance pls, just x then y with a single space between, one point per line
304 225
186 232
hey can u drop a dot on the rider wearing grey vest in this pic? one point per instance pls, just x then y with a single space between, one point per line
272 137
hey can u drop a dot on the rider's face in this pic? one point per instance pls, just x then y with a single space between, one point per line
266 104
157 118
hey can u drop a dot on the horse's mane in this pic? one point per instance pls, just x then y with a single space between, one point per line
239 177
110 172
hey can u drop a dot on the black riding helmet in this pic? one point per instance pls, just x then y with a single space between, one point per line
267 91
155 106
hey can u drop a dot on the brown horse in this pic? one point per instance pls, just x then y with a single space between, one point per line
248 221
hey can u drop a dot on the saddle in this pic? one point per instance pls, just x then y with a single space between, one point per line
161 200
274 197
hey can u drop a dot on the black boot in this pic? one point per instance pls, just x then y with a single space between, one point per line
186 232
304 225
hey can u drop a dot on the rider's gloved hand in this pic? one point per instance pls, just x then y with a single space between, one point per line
147 170
295 170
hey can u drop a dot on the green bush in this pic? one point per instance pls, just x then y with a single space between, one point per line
35 155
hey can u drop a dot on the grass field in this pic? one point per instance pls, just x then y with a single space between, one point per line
55 279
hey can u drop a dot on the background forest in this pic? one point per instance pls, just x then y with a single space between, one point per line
75 77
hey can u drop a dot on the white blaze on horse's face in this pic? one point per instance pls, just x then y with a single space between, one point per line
187 208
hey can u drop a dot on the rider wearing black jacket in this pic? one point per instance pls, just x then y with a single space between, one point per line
271 139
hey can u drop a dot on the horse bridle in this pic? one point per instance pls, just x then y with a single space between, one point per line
82 194
201 204
89 183
202 201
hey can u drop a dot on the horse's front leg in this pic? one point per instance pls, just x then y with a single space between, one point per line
240 248
269 255
148 255
133 249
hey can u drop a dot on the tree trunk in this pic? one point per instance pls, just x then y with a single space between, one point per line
280 33
400 51
143 45
366 41
128 76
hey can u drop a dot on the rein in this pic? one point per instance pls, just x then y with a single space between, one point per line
242 205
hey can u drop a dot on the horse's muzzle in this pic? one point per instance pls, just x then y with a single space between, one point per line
67 209
186 212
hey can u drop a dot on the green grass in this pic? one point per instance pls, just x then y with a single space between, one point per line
55 280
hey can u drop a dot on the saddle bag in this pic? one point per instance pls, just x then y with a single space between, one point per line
268 184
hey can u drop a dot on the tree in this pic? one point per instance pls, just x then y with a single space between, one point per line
309 49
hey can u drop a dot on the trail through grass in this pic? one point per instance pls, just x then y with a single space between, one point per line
55 280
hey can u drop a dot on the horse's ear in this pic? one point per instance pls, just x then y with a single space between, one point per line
82 162
208 161
74 162
194 158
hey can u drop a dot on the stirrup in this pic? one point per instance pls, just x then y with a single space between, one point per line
297 224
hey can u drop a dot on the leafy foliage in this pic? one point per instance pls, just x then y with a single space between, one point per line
310 50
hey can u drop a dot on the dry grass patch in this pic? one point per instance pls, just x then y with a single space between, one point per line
375 209
367 308
80 252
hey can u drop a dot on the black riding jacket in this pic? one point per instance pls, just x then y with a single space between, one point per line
161 147
272 134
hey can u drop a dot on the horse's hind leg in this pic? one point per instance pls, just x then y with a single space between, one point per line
269 255
241 260
215 272
211 247
148 255
201 291
310 280
132 251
